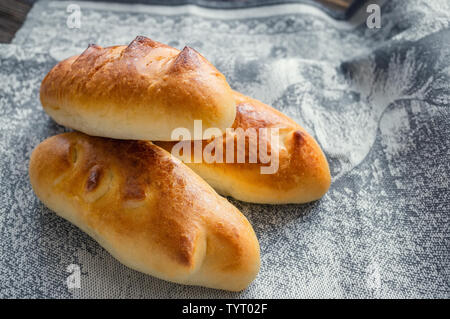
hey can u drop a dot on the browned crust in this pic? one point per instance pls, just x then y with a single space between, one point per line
303 167
138 87
135 196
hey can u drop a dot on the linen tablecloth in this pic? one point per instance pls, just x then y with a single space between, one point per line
376 100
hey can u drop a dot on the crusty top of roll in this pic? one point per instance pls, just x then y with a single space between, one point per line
140 91
303 174
147 209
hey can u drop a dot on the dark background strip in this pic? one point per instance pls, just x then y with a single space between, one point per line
14 12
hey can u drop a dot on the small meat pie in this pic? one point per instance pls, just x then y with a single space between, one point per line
147 209
142 91
301 173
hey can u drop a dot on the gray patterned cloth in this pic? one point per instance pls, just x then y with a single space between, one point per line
377 101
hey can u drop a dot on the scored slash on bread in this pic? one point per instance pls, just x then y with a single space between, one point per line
142 91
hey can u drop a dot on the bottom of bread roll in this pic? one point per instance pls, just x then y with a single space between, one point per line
147 209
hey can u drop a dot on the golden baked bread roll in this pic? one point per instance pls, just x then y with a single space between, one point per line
302 174
141 91
147 209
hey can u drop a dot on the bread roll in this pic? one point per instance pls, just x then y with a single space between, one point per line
141 91
147 209
303 174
